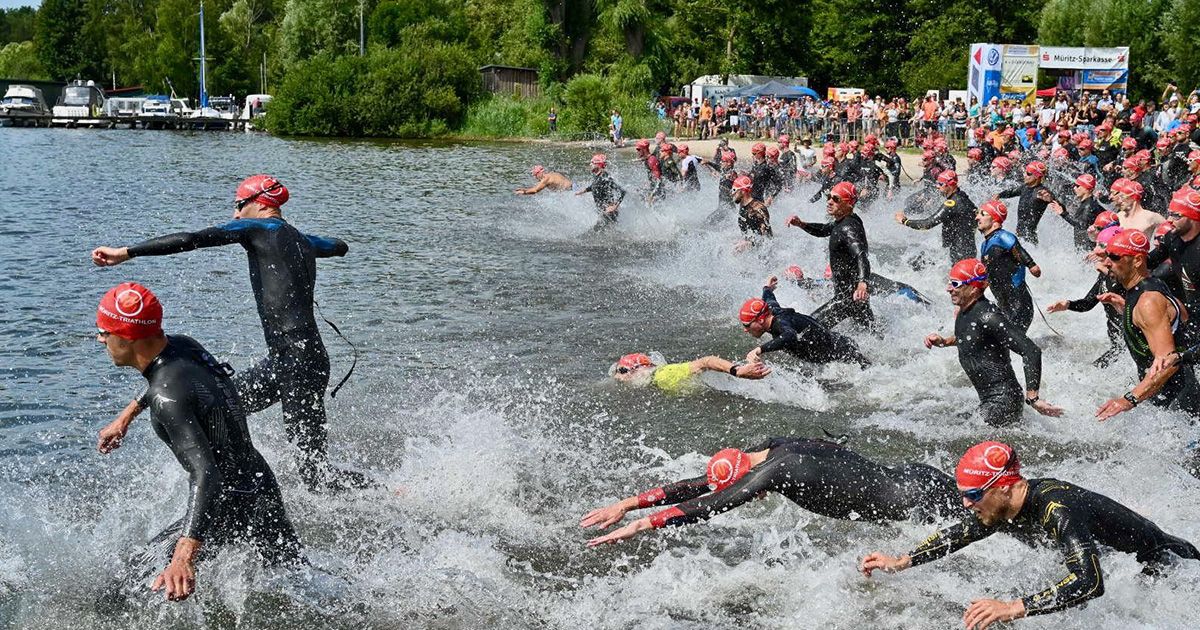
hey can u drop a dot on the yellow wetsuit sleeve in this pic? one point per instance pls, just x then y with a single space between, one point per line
673 378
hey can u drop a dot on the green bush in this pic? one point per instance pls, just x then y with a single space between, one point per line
508 117
18 60
410 92
588 100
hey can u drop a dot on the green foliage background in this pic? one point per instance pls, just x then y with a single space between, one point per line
419 76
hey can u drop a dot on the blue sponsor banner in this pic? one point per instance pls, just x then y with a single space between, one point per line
991 85
1105 79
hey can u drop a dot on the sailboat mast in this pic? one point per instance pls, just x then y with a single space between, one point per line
203 61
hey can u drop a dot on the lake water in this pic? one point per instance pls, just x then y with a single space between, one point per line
485 325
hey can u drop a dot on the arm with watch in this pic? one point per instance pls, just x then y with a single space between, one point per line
1153 316
737 369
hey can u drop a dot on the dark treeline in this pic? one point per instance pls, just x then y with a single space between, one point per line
422 54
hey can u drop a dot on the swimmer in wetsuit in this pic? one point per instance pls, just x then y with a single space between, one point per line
1081 210
1038 512
678 378
802 336
754 219
547 180
607 194
1033 199
1006 261
196 411
1104 284
847 258
283 272
984 339
956 215
819 476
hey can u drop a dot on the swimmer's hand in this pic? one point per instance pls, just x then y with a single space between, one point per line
1046 409
1162 363
1044 195
1058 306
754 357
1113 407
1036 270
109 256
621 534
934 340
860 292
179 578
984 612
605 517
876 561
110 437
794 220
772 283
900 218
753 371
1055 207
1113 300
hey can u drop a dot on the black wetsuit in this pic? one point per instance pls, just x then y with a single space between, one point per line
849 263
283 273
787 169
821 477
1104 284
670 169
825 183
1182 390
1081 215
764 178
1076 521
232 494
1029 210
605 193
876 284
984 339
654 176
775 186
726 207
1006 261
1185 265
1155 195
892 167
754 219
805 337
956 215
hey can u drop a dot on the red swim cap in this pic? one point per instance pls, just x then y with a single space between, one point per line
130 311
728 156
1127 187
1163 143
642 144
927 156
845 191
970 271
793 272
1192 156
1106 219
1186 202
684 149
784 139
666 147
1064 134
1129 243
975 154
1002 163
538 170
871 139
1037 169
1060 153
985 461
1163 229
1086 180
1086 144
947 178
773 152
743 183
828 162
726 467
758 149
1030 132
636 360
995 209
600 160
264 189
1129 143
752 309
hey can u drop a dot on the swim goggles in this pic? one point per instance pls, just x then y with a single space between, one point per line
975 495
242 203
954 284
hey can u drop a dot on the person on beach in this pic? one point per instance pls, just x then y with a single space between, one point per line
546 180
1038 512
196 411
820 476
283 271
677 378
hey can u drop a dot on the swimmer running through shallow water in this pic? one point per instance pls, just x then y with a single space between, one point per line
674 378
546 180
1036 512
819 476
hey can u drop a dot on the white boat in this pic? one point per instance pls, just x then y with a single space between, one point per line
220 113
23 105
81 103
124 109
254 107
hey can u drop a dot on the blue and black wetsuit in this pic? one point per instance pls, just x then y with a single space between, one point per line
819 476
232 494
1077 522
805 338
283 273
1006 261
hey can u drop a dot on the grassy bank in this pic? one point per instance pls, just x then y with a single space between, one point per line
583 104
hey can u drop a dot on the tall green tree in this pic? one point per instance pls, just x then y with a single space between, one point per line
66 44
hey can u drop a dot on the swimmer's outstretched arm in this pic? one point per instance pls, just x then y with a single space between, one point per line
670 494
752 371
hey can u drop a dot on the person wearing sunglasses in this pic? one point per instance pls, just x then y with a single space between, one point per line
800 335
1180 250
817 475
984 338
847 258
956 215
1006 261
196 411
1076 521
678 378
283 272
1151 320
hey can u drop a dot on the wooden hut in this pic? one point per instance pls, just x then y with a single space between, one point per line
511 80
